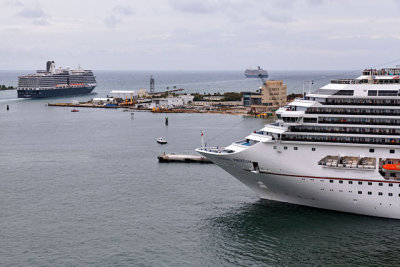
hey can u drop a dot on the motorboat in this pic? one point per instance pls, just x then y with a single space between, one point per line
161 140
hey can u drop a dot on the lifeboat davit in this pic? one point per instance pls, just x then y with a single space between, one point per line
391 167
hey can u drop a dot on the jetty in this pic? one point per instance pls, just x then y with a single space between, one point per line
171 157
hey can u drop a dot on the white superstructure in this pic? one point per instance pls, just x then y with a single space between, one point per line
337 148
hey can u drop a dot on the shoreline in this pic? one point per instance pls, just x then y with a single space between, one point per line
132 109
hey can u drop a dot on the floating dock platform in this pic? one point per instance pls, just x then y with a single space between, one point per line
182 158
90 105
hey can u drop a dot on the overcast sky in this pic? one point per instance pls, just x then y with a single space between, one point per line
199 34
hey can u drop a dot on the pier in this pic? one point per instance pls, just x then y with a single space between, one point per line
92 105
153 110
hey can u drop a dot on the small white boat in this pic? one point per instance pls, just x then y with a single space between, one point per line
161 140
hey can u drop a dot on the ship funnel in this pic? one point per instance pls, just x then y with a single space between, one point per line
53 67
48 66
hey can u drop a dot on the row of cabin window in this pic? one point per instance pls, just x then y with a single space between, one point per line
379 193
391 151
371 150
360 183
295 148
346 130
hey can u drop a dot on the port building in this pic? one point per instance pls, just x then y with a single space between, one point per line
271 96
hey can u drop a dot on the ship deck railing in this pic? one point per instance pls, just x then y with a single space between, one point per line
383 112
348 121
342 139
388 101
351 130
216 149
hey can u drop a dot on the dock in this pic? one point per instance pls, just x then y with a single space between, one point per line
91 105
182 158
157 110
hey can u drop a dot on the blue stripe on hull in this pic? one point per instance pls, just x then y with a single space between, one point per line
54 92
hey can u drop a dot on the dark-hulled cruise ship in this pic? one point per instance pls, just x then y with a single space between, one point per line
54 82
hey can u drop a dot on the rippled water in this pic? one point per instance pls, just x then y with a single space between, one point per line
86 189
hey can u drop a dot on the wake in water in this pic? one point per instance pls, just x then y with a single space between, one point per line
12 99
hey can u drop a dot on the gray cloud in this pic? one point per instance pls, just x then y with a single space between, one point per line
123 10
238 11
278 17
195 34
115 17
315 2
41 22
196 6
279 4
13 3
111 21
34 12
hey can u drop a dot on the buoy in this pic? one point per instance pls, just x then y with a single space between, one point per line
8 108
166 120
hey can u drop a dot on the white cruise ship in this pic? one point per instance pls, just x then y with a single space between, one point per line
337 148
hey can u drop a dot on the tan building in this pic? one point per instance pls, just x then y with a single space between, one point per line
272 95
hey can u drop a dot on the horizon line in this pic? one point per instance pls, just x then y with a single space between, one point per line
193 70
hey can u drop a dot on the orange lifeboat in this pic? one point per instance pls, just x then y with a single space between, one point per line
391 167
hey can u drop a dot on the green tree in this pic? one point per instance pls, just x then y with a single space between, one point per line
232 96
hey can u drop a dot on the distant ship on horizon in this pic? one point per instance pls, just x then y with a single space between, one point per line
54 82
256 73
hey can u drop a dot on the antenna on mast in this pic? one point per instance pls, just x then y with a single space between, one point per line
202 138
151 84
310 83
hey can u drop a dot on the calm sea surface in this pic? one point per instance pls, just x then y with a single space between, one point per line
86 188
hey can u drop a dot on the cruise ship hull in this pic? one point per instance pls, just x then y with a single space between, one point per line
56 92
256 76
290 176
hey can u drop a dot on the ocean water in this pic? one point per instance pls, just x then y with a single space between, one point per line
201 82
86 188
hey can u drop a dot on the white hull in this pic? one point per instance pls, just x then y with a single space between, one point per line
294 176
337 148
